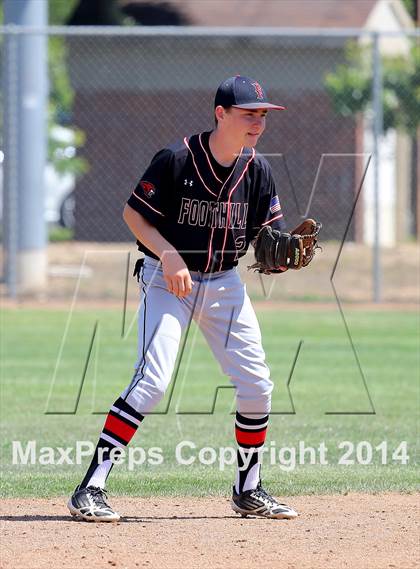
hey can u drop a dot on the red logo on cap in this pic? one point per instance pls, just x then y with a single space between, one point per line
148 189
258 90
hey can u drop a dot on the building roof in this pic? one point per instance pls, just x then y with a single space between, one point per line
281 13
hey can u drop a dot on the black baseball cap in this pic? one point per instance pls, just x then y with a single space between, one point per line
243 93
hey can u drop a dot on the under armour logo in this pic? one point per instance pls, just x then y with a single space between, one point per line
188 182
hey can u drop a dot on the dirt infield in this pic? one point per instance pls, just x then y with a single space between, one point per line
357 531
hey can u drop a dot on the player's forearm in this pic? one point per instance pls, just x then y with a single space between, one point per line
146 233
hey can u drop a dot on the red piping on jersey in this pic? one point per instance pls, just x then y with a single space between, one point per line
273 219
136 196
195 166
221 189
218 197
209 255
208 159
228 211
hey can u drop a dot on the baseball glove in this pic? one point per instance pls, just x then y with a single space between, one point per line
275 252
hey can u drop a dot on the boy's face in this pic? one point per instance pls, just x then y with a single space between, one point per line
244 126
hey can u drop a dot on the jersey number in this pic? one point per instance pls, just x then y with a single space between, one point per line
239 245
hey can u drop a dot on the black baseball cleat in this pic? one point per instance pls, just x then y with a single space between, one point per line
90 505
258 503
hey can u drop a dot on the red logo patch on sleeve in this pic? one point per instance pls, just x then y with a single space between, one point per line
148 188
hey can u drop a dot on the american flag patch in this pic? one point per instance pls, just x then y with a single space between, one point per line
275 204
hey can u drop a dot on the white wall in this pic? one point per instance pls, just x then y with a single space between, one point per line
387 190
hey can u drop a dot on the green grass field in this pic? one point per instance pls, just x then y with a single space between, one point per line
329 398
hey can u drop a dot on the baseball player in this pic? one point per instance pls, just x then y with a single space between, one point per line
194 212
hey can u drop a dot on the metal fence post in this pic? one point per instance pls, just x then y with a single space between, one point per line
11 171
377 133
27 107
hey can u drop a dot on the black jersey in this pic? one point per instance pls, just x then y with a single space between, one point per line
209 213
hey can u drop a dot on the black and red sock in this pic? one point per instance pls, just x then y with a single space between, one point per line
250 435
120 426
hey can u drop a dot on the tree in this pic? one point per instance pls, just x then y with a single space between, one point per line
61 98
350 90
350 87
59 11
95 13
61 150
411 8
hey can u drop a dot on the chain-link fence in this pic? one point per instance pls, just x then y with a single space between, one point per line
119 95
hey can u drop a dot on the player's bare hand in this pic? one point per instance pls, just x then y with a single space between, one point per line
176 275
